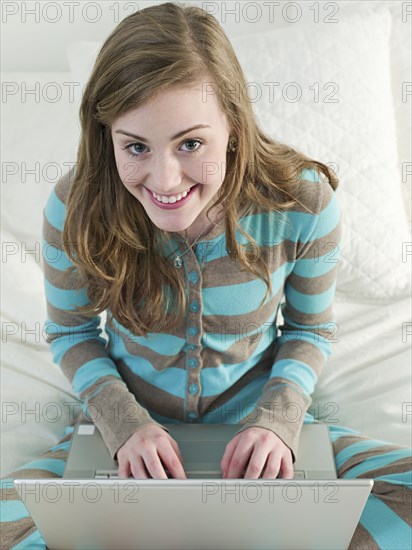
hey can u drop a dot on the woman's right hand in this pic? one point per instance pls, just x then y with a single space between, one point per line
144 451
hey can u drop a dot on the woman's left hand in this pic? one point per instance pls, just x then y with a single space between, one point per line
260 446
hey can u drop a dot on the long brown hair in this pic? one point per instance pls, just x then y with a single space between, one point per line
109 237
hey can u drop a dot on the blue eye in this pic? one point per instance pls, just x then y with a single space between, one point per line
138 154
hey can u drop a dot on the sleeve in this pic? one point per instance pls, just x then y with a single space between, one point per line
76 342
309 324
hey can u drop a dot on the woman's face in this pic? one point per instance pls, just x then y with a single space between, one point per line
168 160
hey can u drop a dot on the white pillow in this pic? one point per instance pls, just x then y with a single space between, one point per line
356 136
41 145
81 57
400 55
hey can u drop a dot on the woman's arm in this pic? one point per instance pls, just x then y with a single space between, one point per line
309 324
75 340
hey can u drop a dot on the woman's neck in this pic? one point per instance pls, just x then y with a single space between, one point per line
201 228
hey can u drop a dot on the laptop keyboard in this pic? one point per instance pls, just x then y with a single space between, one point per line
112 474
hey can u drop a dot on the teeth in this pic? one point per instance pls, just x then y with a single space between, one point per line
172 199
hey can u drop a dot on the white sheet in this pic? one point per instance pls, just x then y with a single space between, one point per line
367 379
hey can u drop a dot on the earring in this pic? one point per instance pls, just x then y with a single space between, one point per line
233 145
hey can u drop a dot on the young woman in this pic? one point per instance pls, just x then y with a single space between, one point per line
187 225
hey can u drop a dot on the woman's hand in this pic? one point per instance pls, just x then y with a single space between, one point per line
260 445
145 449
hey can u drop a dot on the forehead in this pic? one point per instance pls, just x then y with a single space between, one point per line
178 106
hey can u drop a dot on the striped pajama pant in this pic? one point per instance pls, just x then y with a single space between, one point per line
386 521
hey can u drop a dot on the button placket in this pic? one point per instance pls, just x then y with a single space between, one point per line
193 334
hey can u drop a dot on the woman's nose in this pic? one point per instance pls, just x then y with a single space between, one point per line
165 176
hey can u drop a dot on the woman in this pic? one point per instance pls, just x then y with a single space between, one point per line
188 235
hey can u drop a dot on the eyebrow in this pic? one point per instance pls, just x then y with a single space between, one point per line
178 135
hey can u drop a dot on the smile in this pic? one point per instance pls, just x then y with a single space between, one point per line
170 198
172 202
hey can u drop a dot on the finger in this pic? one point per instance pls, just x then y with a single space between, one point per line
137 468
287 470
154 465
239 459
257 462
124 469
172 458
172 463
272 466
177 450
227 455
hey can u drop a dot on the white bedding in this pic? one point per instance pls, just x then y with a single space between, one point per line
366 383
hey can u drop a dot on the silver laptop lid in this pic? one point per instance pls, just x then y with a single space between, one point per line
195 514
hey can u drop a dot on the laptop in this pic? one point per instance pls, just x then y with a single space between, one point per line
90 507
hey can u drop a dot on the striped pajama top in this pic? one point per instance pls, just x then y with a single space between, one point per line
230 361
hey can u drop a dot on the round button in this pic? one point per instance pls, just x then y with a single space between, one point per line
193 331
191 346
192 416
193 363
194 306
193 388
193 277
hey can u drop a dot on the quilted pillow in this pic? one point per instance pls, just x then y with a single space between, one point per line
326 89
345 118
